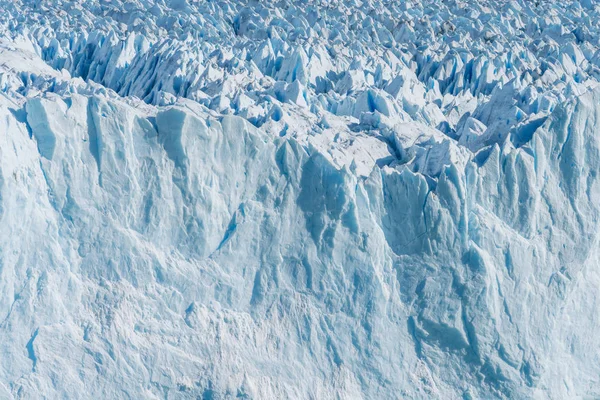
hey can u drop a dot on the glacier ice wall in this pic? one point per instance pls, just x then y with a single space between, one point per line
345 200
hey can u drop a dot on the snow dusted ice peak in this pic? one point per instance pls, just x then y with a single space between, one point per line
428 62
267 200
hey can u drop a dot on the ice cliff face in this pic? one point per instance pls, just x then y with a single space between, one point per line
299 200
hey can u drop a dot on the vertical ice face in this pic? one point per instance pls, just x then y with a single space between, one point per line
285 200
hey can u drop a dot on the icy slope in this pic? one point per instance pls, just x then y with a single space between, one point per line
278 200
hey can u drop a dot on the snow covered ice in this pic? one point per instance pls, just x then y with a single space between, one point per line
353 199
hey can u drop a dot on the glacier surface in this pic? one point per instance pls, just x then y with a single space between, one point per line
283 199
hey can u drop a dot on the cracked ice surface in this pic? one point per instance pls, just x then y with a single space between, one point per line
343 199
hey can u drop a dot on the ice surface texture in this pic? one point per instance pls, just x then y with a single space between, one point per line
322 199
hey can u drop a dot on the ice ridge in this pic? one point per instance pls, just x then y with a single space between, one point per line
279 199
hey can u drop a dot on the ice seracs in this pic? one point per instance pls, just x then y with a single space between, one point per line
280 200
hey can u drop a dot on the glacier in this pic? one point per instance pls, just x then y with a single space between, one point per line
283 199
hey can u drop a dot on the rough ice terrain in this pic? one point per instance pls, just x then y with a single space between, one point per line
358 199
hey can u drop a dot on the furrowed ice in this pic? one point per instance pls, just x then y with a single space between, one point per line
354 200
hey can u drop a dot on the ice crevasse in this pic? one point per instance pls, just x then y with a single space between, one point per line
196 245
